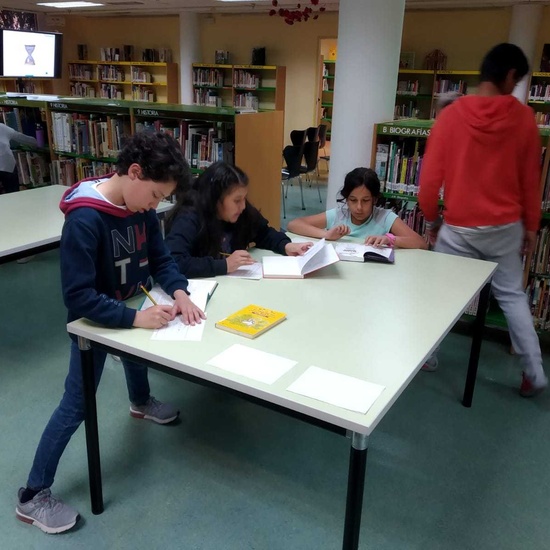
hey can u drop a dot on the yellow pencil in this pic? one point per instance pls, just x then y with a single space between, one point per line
148 295
224 254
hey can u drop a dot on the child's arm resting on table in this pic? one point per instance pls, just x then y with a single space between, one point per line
315 226
405 237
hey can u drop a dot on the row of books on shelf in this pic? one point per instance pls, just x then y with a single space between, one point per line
540 260
539 92
408 87
111 91
111 72
542 119
82 89
140 93
207 77
67 171
83 72
32 168
326 86
398 166
245 79
406 110
444 86
538 292
93 135
23 120
248 101
202 96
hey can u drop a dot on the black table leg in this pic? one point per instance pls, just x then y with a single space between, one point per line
356 485
90 419
477 337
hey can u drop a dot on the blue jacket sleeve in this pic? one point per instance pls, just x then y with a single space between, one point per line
80 242
182 244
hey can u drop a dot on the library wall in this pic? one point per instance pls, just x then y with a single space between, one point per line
543 37
465 36
296 47
97 32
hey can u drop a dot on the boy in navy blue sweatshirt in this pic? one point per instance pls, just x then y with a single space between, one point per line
110 245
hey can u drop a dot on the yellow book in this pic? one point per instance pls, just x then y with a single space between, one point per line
251 321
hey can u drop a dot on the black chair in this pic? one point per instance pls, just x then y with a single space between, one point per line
322 144
293 155
311 154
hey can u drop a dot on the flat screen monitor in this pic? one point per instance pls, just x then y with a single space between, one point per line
26 54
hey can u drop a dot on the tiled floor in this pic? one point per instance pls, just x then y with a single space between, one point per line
232 475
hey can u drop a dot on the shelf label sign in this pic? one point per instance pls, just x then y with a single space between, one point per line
147 112
60 106
404 131
10 102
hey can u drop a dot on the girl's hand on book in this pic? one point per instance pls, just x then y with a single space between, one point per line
153 317
190 313
238 259
297 249
378 241
337 232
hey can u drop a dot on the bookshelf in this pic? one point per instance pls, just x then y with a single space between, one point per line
257 87
326 93
397 152
85 135
124 80
26 85
32 163
539 98
414 96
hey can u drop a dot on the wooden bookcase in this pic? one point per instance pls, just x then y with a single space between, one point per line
124 80
258 87
539 98
84 137
26 85
326 93
397 151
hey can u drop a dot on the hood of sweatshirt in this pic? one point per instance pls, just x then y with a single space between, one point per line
84 194
486 119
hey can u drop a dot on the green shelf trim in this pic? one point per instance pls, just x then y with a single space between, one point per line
328 76
328 91
87 157
539 275
197 171
403 197
327 119
327 104
546 215
330 61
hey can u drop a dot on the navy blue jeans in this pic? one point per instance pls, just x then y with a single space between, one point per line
69 414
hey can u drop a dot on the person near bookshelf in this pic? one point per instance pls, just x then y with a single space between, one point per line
213 224
358 216
486 149
111 244
8 164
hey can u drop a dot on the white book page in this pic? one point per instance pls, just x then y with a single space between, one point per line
337 389
315 249
325 256
350 249
281 266
253 271
252 363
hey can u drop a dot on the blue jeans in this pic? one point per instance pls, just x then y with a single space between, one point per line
68 416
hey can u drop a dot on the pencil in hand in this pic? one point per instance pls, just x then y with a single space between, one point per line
148 295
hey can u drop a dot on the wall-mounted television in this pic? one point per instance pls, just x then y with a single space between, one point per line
30 54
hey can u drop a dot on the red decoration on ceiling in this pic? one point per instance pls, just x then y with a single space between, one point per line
297 15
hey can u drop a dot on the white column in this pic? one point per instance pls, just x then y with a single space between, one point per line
524 28
190 52
369 42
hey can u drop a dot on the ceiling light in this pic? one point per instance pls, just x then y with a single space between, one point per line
69 4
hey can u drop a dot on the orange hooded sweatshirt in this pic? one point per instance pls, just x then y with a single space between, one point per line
487 153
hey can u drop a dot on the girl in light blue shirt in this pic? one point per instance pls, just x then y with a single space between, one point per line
357 216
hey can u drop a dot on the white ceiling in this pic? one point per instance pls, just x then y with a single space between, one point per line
168 7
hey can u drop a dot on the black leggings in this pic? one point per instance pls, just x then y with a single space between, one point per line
9 181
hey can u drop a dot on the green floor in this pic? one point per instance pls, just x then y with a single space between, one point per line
232 475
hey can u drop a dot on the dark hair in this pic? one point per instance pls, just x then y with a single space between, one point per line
500 60
207 191
358 177
159 157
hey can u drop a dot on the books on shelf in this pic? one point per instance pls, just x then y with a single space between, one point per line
318 256
356 252
251 321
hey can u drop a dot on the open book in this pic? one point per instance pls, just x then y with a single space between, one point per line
319 255
356 252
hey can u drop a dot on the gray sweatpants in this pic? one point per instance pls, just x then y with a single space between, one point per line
501 244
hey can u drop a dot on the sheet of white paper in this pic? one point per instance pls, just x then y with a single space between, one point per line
176 330
337 389
252 363
253 271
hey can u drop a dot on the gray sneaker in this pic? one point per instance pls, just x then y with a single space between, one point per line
161 413
48 513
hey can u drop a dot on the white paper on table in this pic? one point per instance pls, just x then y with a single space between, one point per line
252 363
337 389
176 330
253 271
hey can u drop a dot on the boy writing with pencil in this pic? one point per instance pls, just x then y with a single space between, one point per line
111 245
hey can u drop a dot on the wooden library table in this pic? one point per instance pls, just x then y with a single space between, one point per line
370 321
